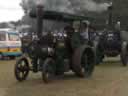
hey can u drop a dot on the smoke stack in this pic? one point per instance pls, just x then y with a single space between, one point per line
39 12
110 17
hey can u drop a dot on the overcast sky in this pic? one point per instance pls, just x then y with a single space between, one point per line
10 10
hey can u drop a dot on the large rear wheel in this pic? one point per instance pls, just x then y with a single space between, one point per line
83 61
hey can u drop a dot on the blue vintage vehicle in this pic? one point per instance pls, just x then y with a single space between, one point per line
111 43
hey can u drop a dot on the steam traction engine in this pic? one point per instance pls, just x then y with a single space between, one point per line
50 54
111 44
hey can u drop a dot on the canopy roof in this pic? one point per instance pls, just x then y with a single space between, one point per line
60 16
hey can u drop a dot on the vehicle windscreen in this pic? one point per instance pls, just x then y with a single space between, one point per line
13 37
2 36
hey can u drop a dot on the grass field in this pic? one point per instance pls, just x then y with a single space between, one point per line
109 79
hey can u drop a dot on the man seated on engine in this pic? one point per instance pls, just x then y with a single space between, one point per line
85 30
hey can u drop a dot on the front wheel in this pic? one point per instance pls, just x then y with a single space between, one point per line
21 69
48 70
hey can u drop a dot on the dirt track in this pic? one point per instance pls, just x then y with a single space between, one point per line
109 79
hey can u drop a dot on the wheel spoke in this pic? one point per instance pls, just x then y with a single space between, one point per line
19 69
24 73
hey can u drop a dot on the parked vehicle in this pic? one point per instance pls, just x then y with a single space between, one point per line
10 43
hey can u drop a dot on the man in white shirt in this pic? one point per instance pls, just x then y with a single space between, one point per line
85 30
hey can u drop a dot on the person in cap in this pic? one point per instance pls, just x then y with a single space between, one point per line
85 30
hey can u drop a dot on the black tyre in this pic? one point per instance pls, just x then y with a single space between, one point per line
88 64
21 69
124 54
83 61
48 71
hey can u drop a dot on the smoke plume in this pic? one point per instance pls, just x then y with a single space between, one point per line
70 6
59 5
92 6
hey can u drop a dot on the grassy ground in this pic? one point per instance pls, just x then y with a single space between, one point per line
109 79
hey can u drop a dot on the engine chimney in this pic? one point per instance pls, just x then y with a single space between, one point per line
110 15
39 12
